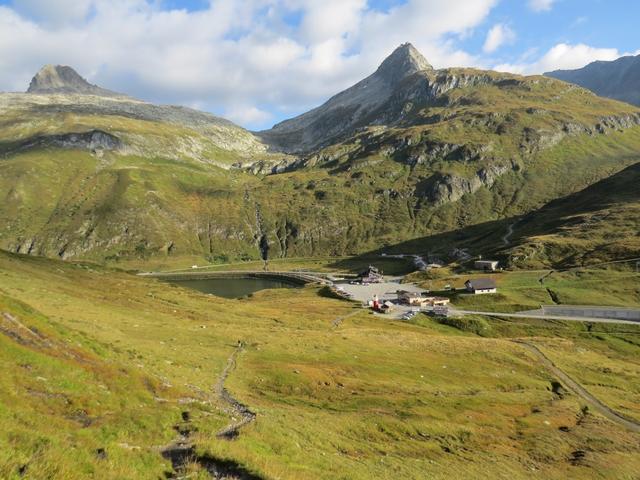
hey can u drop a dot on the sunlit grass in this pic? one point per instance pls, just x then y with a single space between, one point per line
372 398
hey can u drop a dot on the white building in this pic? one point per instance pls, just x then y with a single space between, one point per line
479 286
486 265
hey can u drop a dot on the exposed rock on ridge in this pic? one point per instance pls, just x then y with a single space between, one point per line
93 140
347 110
62 79
451 188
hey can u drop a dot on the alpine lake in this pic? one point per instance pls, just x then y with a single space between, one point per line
235 287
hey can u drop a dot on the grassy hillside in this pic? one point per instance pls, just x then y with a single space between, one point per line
488 146
598 224
99 367
527 290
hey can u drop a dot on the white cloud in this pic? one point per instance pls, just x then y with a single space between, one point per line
232 55
328 19
579 21
541 5
562 57
246 115
499 35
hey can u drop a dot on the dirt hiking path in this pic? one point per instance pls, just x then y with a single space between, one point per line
579 390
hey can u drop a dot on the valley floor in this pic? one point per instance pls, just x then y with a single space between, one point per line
102 370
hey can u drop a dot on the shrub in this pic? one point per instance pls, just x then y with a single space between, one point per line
479 326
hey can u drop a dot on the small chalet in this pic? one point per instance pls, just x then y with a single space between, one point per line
486 265
386 307
438 301
410 298
371 275
478 286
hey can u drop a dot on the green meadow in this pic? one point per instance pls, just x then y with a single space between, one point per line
100 366
522 290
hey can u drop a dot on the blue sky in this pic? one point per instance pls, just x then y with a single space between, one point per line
260 61
597 23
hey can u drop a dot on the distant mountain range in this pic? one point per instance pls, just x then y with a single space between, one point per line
618 79
408 152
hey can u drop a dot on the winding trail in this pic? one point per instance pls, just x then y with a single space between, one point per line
545 276
234 406
507 236
182 451
579 390
338 321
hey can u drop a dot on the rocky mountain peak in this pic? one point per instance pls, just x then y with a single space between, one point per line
404 61
63 79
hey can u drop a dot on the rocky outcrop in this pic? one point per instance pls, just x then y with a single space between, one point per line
534 141
348 110
444 188
620 122
62 79
93 140
448 80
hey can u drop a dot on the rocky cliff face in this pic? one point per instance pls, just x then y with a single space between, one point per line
62 79
619 79
445 188
95 141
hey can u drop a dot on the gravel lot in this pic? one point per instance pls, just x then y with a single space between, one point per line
385 291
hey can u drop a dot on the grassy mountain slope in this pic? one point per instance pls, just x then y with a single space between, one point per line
33 120
109 179
111 362
595 225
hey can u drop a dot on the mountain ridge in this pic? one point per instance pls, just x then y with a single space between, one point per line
444 149
618 79
343 111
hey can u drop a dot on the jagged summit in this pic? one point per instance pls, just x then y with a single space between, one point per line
64 79
404 61
350 108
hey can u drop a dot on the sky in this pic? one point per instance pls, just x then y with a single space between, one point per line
258 62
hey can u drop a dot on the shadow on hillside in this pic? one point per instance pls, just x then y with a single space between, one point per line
488 238
484 238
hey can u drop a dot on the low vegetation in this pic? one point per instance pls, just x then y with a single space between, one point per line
106 364
528 290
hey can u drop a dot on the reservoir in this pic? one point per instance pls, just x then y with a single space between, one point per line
234 287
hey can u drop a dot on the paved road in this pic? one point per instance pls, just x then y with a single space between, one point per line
455 311
579 390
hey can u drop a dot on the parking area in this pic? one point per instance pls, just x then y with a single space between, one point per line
386 291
